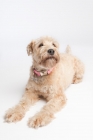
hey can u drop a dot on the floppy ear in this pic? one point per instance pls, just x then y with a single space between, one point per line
30 48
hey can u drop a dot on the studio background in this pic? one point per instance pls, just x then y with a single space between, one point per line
69 22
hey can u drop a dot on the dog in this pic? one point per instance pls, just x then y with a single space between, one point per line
51 74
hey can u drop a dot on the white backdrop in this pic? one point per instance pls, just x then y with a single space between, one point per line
68 21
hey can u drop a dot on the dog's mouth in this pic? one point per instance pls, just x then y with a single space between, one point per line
51 58
50 61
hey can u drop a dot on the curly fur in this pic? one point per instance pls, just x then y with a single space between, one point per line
68 69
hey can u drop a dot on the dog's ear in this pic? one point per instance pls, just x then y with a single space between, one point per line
30 48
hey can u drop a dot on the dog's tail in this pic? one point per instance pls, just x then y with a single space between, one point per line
68 49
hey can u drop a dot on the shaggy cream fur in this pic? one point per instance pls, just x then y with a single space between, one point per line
67 69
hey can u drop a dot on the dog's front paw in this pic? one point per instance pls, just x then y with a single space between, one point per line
13 115
40 119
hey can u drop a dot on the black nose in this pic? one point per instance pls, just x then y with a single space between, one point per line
51 51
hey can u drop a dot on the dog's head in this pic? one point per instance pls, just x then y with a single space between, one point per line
44 51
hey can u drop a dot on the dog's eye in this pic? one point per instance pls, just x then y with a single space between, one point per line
40 45
53 44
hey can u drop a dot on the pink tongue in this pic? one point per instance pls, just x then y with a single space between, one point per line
36 72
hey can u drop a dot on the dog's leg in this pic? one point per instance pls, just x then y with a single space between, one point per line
17 113
46 114
79 71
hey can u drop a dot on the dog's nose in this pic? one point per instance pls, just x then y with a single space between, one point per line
51 51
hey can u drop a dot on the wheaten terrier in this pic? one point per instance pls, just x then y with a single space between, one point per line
50 74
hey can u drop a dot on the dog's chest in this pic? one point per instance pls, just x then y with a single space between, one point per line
47 91
42 89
